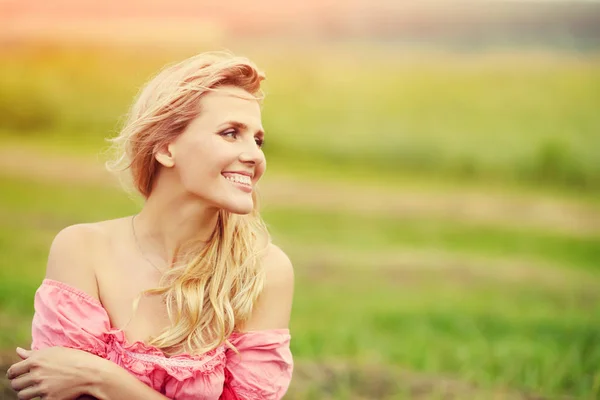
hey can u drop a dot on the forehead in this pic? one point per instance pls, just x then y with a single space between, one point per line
230 104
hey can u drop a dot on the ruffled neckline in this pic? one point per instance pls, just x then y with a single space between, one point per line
142 348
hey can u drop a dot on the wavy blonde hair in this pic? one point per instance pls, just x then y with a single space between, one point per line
212 291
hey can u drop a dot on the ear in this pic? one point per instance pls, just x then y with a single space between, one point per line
165 155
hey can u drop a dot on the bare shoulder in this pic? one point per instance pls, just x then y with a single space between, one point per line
73 254
274 305
278 268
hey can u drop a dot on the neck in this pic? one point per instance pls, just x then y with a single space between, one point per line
168 220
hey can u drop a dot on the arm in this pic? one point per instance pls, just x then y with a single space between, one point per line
265 368
274 305
65 372
116 383
71 261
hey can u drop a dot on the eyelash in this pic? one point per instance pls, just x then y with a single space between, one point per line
259 142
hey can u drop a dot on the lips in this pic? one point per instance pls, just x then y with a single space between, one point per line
238 178
245 173
242 181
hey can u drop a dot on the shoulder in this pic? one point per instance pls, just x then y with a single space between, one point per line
274 305
73 253
278 268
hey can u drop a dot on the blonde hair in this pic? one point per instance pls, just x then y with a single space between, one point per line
212 291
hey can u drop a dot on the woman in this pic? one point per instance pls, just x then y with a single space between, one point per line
211 294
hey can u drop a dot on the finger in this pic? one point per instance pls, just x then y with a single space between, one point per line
24 354
22 382
17 369
30 393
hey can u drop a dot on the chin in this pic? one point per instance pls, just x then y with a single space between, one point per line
241 209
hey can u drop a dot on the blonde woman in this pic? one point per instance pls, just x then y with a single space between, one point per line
188 299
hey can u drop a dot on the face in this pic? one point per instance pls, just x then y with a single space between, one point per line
218 157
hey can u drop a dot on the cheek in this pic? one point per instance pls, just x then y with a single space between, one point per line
196 167
260 170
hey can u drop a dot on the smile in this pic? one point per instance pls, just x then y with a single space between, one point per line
243 182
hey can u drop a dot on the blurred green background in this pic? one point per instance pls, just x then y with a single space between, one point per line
439 197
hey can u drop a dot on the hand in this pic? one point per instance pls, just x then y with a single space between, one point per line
54 373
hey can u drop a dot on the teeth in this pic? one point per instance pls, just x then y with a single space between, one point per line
239 179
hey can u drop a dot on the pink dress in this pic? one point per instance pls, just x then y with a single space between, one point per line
68 317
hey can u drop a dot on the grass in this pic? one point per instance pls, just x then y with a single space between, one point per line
378 233
528 119
493 332
71 204
499 306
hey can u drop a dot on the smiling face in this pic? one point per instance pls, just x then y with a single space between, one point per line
218 157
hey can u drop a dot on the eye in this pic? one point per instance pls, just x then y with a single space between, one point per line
232 133
259 142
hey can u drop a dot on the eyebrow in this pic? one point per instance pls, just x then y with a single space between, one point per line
242 126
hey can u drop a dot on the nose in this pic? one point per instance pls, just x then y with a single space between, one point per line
252 154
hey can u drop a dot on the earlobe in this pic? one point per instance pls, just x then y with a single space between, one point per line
165 156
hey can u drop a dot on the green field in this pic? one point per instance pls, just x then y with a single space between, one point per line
393 299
